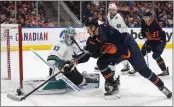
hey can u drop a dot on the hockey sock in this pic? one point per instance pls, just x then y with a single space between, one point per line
161 63
108 75
147 73
156 80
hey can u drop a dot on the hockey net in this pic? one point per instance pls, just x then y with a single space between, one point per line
11 57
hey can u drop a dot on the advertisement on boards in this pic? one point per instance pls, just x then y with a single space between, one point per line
45 37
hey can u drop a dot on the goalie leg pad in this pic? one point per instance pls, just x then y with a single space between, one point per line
52 87
58 62
92 80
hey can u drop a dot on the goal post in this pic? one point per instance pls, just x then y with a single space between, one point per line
11 57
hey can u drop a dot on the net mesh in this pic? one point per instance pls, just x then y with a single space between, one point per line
10 57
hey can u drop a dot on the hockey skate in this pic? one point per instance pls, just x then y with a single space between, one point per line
165 72
131 72
125 69
112 91
166 91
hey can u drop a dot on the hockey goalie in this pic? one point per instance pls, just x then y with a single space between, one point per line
61 54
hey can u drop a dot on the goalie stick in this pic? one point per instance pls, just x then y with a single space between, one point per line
82 50
72 85
77 44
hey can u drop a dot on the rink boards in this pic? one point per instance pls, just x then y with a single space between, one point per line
43 38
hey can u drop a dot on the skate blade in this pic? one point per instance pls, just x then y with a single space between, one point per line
131 74
162 75
125 73
110 97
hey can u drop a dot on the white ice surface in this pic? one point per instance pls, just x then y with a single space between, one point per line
135 90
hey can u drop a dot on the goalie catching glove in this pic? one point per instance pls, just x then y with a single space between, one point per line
68 67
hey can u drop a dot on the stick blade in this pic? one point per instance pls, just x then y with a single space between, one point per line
13 97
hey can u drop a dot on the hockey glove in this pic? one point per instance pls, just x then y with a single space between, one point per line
68 67
146 48
143 34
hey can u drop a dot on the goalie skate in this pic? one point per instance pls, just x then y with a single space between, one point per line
132 72
125 70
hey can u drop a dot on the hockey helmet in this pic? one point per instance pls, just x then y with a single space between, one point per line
91 25
68 34
147 17
112 6
69 30
147 13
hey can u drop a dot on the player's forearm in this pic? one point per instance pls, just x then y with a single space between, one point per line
83 57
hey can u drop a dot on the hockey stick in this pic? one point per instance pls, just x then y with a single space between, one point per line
77 44
145 42
146 54
18 98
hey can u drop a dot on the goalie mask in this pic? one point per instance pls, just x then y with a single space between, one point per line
68 34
